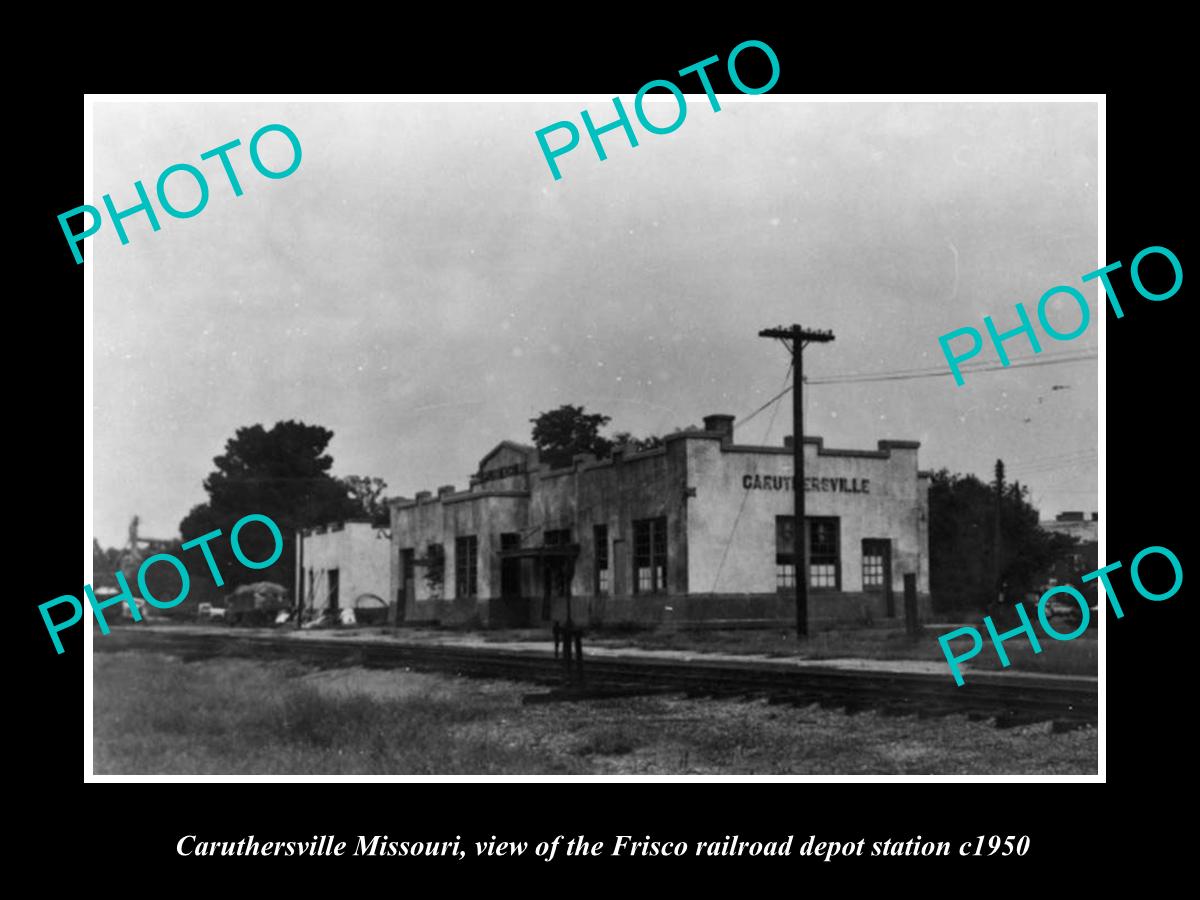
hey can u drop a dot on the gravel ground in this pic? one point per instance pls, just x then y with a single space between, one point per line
155 713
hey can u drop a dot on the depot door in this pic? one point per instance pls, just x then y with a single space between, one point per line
877 571
510 569
333 588
514 610
404 590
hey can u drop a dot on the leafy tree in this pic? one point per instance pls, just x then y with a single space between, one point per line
282 473
964 569
162 580
367 493
636 444
562 433
105 562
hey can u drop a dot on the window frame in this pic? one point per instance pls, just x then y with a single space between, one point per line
650 545
836 524
785 580
466 566
881 554
601 561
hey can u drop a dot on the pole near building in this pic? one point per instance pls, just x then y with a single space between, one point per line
796 339
299 575
998 591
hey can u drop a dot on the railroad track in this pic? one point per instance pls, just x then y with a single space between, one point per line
1068 703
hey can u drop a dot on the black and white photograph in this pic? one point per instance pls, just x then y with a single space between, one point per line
522 436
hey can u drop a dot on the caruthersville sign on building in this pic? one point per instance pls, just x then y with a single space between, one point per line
502 472
664 535
784 483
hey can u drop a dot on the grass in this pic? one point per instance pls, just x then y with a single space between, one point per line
156 714
221 716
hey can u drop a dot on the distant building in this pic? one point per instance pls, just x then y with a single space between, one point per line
345 566
697 529
1081 559
1076 525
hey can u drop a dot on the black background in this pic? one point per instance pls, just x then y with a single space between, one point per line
1075 828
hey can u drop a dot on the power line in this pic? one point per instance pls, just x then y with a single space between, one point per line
904 375
1042 470
1082 465
746 495
1073 355
747 418
1054 460
775 412
993 367
1033 460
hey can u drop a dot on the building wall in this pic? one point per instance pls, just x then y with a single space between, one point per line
873 494
698 482
360 553
440 520
616 493
1084 530
588 493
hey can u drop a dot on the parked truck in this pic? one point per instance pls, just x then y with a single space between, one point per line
257 604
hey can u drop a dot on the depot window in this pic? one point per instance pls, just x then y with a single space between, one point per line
466 566
824 553
874 564
650 556
600 536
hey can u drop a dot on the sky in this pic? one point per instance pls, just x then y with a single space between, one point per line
422 286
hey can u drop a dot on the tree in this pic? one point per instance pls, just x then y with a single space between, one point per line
105 563
636 444
963 561
367 493
282 473
562 433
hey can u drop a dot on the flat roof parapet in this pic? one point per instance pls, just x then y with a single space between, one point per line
686 433
718 428
884 452
789 441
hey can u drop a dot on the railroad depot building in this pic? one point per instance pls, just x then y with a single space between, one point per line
697 529
345 566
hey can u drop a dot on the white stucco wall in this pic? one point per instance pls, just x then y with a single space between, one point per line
889 504
362 555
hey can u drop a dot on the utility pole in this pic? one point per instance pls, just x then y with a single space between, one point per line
796 339
299 575
997 586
